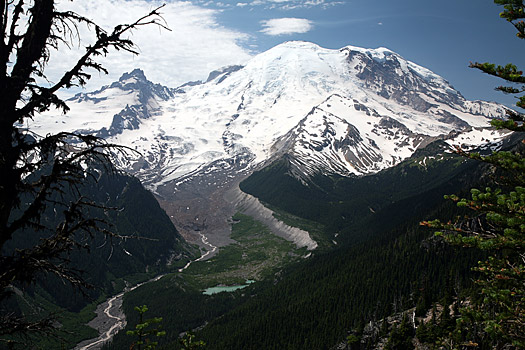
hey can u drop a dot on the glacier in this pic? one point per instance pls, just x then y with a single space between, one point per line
347 111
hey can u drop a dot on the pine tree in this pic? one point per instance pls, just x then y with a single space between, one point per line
497 223
145 330
423 333
401 337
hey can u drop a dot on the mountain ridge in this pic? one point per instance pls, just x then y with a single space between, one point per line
245 112
346 112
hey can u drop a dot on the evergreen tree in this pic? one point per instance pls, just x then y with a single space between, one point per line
514 12
423 333
497 224
401 337
353 341
145 330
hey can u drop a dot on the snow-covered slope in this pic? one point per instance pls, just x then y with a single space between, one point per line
347 111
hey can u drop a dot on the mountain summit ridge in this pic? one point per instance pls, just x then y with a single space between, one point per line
351 111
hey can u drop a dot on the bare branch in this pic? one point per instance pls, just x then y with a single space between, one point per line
38 174
41 102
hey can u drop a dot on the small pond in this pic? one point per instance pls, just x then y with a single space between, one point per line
219 289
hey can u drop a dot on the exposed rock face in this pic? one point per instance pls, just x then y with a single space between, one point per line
391 77
252 206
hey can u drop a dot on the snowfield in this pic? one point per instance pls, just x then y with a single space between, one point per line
348 111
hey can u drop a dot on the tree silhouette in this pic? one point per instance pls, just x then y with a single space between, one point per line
36 172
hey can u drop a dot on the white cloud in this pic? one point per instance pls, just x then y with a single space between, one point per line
196 44
286 26
295 4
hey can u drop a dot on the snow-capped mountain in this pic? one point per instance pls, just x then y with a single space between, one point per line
348 111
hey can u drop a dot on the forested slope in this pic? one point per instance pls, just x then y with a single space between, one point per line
386 262
353 207
383 262
148 242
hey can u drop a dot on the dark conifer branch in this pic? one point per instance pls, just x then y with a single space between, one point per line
496 222
41 172
43 100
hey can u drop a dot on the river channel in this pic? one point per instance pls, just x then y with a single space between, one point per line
110 318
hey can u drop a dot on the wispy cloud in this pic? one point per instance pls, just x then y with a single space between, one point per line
286 26
196 44
292 5
275 4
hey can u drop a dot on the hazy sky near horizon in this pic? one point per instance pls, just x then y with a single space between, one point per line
443 36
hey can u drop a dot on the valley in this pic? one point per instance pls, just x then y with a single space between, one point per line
305 171
201 207
255 252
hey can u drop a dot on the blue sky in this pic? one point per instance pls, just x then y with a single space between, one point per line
443 36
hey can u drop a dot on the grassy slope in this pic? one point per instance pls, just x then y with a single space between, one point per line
257 254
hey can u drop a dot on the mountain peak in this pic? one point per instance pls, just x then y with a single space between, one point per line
365 110
136 73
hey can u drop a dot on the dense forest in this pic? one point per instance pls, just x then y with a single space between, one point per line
383 263
387 262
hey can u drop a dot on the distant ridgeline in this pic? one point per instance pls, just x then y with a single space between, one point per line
109 263
353 208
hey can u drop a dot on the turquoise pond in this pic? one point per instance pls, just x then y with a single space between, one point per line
219 289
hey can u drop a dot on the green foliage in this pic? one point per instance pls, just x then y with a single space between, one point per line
321 298
508 72
188 342
256 253
514 13
181 306
145 329
353 341
423 303
384 267
500 223
346 206
424 333
496 223
401 337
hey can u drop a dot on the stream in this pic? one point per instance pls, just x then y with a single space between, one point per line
213 249
110 318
